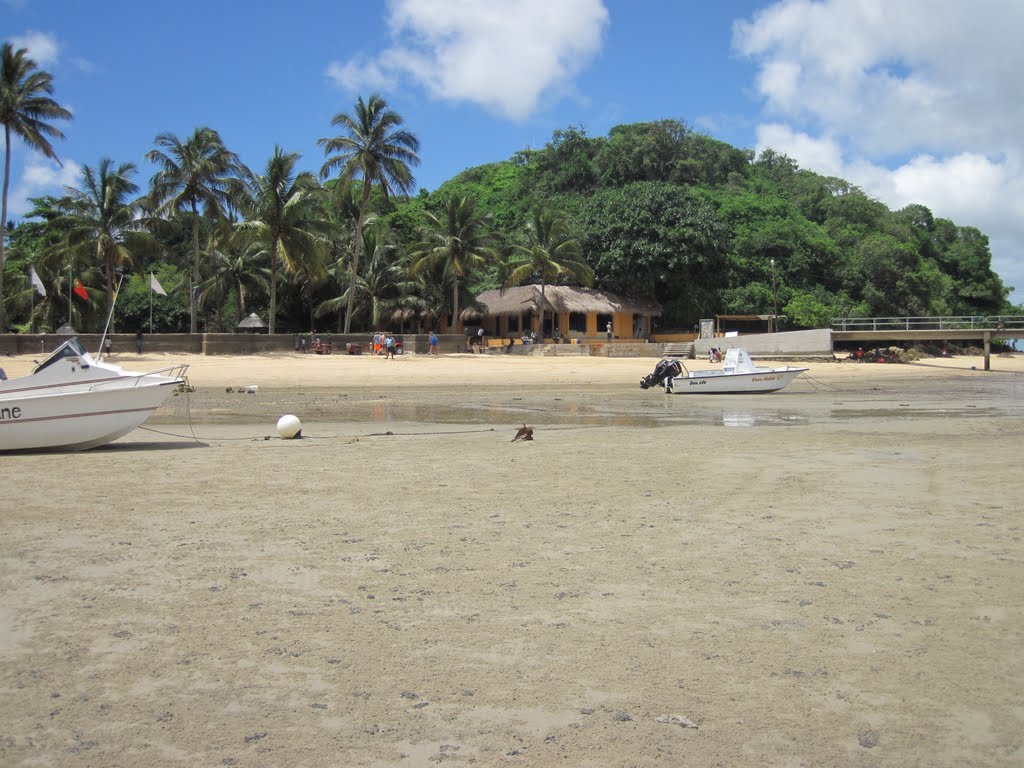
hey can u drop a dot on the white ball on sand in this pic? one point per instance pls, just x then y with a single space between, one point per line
289 427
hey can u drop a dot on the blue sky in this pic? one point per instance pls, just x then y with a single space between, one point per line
913 100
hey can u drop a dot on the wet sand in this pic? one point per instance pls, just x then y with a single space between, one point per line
829 575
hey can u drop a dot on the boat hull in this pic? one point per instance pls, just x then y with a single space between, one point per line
757 382
77 420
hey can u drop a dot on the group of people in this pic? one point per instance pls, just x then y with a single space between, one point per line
384 344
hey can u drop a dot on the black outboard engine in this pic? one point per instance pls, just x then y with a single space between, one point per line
663 370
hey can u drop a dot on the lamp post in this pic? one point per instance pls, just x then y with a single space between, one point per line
775 300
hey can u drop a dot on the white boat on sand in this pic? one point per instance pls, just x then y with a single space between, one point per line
738 375
72 402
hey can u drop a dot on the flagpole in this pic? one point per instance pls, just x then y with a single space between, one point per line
151 303
110 316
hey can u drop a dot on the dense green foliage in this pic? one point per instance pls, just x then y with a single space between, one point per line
653 210
661 211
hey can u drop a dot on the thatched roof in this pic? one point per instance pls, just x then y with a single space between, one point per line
252 321
560 298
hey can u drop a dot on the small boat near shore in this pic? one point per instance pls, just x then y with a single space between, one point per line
73 402
738 375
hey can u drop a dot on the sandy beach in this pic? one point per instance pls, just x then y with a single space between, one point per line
830 575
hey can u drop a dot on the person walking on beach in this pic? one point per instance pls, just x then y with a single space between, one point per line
389 346
608 330
138 343
433 342
480 339
107 346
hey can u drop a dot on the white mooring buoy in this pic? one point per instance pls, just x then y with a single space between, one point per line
289 427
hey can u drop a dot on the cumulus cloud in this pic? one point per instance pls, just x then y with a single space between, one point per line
915 102
42 47
504 57
41 177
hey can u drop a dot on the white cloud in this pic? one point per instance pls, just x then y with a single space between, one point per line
84 65
504 57
42 177
912 100
823 154
42 47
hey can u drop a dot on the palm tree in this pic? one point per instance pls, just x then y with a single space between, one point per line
375 149
25 108
549 254
282 209
235 266
461 241
198 173
344 217
103 226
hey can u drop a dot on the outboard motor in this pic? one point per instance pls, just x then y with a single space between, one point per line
665 369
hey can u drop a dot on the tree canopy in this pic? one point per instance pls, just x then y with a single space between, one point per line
653 210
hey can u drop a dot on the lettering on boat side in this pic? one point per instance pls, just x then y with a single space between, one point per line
697 383
764 378
10 413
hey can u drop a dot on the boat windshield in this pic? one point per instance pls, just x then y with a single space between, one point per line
70 348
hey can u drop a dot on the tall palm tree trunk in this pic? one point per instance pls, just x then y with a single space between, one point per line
367 188
273 290
3 221
192 303
455 307
241 303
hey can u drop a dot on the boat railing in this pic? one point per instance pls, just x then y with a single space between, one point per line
176 372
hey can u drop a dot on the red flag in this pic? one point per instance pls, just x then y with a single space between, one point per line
80 290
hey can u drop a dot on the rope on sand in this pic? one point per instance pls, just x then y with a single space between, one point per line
818 385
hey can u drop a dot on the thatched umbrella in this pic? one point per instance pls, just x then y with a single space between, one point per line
252 324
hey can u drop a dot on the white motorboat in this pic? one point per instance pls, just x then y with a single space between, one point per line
72 402
738 375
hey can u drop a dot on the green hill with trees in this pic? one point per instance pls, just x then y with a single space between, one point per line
705 228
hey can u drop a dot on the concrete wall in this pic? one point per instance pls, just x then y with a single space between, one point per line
121 343
216 343
814 343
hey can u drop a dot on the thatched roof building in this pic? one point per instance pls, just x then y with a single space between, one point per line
560 299
568 311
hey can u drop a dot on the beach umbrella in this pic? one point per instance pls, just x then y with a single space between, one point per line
252 324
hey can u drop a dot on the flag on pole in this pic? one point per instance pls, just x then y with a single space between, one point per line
80 290
154 285
36 282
